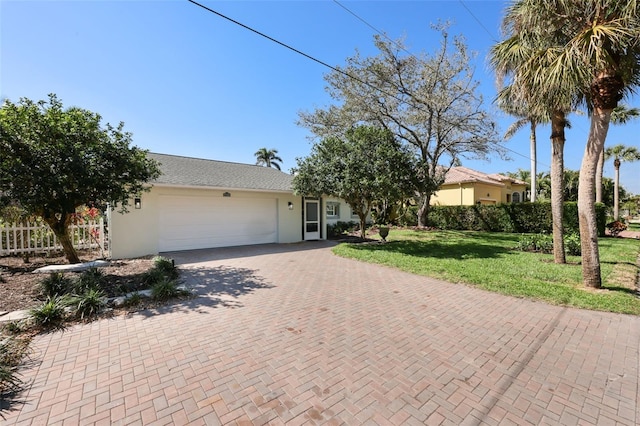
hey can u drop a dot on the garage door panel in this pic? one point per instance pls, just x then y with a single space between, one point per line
188 222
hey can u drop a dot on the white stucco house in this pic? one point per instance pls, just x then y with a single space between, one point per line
199 203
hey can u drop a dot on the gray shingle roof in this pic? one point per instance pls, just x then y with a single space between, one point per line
187 171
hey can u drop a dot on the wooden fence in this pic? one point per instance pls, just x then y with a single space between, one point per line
18 238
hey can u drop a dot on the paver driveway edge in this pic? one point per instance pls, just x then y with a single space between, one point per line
295 335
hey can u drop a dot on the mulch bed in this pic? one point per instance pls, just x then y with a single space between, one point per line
19 286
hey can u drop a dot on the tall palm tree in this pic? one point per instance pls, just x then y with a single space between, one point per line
526 115
590 50
619 153
523 58
620 115
268 157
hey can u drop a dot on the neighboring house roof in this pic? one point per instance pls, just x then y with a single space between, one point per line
465 175
198 172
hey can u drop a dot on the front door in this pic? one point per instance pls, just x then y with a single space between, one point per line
311 219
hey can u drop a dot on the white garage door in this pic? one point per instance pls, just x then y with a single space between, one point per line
188 222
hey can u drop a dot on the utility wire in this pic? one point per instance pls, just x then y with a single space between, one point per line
318 60
478 21
351 12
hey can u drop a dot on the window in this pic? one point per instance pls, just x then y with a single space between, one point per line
333 209
508 198
516 197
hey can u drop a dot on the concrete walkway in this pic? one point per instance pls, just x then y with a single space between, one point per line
292 334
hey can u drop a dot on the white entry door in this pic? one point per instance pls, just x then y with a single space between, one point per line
311 219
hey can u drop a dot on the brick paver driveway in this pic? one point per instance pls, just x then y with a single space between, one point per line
293 334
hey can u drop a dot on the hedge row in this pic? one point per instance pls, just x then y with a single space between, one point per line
520 217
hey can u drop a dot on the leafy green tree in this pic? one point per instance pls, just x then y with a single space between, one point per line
55 160
429 103
620 153
367 165
268 157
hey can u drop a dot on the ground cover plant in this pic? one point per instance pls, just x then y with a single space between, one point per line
474 257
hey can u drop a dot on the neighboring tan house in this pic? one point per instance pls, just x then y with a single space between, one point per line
198 203
464 187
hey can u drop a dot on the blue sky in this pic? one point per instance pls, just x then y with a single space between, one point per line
188 82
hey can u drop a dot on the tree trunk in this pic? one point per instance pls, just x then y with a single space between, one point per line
363 225
557 184
616 189
599 173
534 160
586 203
60 228
423 212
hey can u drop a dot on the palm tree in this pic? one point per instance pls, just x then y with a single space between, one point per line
620 115
589 49
526 116
524 58
619 153
268 158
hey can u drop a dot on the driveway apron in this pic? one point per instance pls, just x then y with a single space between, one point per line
291 334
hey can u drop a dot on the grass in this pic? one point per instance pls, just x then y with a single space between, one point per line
634 227
488 261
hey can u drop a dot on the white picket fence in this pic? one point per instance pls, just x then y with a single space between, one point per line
20 238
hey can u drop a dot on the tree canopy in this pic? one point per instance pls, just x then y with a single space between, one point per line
55 160
366 165
428 102
268 158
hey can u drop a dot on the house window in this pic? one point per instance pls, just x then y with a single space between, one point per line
516 197
333 209
508 198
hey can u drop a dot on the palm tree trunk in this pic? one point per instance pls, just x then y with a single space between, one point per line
557 184
599 173
591 276
616 190
534 160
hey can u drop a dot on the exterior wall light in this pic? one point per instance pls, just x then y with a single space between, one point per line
226 194
290 205
137 203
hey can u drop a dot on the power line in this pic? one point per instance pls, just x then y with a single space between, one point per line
320 61
358 17
478 21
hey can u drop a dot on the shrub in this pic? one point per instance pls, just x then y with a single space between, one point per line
91 279
165 290
89 303
56 284
134 300
340 228
153 276
12 351
542 243
51 314
572 244
165 265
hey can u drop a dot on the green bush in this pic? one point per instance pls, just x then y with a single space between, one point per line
519 217
166 289
91 279
153 276
51 314
165 265
89 303
56 284
341 228
572 244
12 351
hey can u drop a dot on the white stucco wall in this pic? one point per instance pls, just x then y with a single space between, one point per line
136 233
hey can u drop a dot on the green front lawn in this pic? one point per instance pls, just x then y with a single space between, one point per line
487 260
